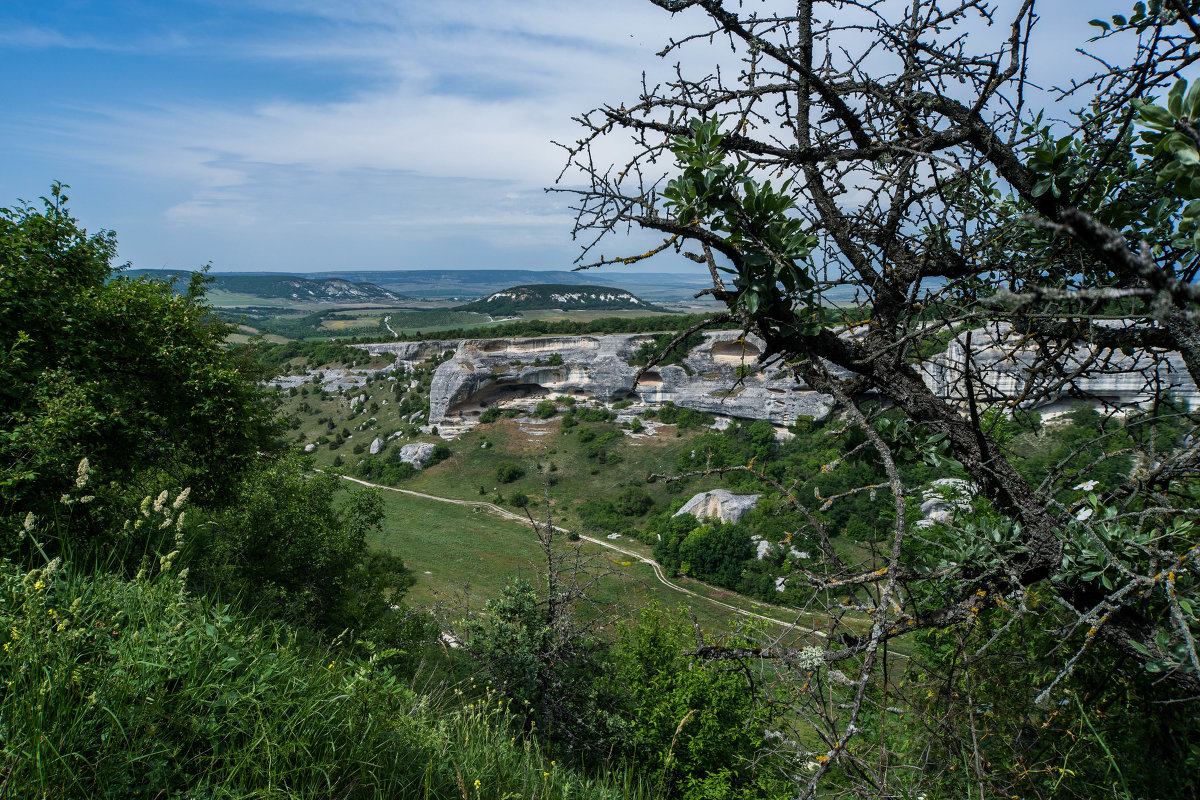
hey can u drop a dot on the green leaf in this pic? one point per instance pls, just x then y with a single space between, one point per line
1175 98
1156 116
1191 103
1100 24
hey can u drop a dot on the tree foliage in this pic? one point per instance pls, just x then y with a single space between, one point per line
999 263
123 372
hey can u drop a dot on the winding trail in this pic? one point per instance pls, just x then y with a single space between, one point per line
658 572
386 321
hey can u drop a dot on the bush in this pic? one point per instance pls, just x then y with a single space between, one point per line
507 472
596 514
633 501
441 451
127 373
713 755
684 418
286 548
545 409
490 415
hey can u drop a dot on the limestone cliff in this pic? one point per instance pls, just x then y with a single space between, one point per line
719 376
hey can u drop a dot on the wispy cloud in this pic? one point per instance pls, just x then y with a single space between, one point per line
299 132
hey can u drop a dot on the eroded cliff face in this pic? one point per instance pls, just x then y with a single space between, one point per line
720 377
1007 365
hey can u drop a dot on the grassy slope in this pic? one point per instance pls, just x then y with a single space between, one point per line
457 544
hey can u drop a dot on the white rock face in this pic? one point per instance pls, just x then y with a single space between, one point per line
376 446
417 453
719 504
1010 368
488 371
761 546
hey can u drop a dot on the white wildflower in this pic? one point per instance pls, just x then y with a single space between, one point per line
1086 486
86 499
81 473
183 496
30 521
161 502
1084 514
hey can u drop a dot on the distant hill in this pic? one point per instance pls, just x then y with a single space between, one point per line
287 287
558 296
472 283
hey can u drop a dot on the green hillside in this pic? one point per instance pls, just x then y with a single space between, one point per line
284 287
559 296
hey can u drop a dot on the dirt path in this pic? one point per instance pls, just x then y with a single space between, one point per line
658 573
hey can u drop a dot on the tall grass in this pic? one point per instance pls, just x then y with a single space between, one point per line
136 688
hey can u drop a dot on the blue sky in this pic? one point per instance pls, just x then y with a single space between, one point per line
320 134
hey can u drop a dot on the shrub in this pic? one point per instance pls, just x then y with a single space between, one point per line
490 415
507 472
545 409
633 501
441 451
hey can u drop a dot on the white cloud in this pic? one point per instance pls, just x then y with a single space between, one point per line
440 120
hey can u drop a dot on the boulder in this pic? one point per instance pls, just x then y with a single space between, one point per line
376 446
720 504
942 498
417 453
308 448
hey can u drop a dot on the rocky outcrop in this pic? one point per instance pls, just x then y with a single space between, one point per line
376 446
417 453
720 376
720 504
943 498
1007 365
